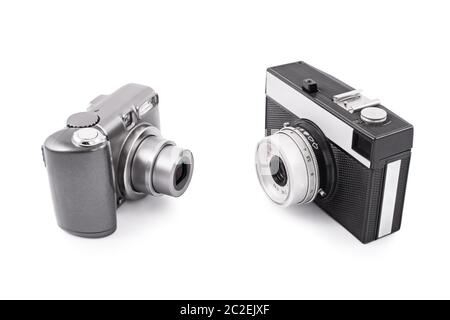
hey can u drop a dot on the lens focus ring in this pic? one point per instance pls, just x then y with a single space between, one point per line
312 177
287 167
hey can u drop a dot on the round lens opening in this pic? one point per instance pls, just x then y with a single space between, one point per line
278 171
181 175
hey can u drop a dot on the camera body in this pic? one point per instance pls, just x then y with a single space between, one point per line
357 152
112 153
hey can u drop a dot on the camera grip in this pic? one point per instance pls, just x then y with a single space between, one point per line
82 185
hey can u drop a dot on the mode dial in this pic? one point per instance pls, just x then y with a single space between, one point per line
83 120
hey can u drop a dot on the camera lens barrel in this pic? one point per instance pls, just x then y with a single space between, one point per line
294 164
155 168
299 182
173 171
152 165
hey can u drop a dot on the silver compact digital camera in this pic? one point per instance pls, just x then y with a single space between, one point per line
326 142
112 153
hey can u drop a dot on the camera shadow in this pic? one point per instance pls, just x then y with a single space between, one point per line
324 225
135 217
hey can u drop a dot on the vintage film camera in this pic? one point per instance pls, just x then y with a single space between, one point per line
326 142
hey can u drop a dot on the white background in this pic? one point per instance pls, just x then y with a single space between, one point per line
207 60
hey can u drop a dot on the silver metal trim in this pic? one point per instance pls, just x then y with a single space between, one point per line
335 129
347 95
373 115
88 137
127 153
312 168
147 105
353 101
389 198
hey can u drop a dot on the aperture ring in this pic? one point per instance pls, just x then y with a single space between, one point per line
309 157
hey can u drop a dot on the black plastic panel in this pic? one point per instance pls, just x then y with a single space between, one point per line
356 201
362 145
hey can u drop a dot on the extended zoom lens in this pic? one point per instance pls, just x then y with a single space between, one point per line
160 167
287 167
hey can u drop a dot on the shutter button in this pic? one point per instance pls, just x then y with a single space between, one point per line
373 115
88 137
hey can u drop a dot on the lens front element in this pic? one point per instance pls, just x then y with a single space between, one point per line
278 170
181 175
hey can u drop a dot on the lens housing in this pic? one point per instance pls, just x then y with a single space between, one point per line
151 165
287 167
172 171
156 167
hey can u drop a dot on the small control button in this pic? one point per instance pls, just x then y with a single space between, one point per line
310 86
83 120
373 115
88 137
